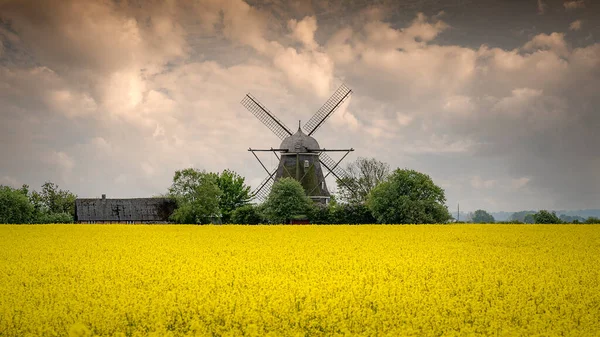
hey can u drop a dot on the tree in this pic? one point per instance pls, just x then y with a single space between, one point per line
363 175
481 216
592 220
545 217
408 196
197 194
247 214
15 207
55 200
351 214
235 193
286 201
520 216
529 218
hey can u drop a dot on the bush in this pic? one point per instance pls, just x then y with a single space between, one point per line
408 197
247 214
545 217
352 214
44 218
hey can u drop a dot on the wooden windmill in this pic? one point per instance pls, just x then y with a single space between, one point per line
300 156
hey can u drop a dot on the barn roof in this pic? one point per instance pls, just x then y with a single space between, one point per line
139 209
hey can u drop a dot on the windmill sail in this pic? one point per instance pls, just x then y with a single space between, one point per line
263 190
327 109
266 117
332 166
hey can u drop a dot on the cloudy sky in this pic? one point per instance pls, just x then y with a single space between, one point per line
498 101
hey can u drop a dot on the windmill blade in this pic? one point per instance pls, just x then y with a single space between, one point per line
332 166
265 116
335 169
327 109
263 190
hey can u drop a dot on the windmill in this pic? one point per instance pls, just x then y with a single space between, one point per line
300 156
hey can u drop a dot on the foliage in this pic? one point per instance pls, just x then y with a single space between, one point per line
15 207
286 201
235 193
520 216
571 218
408 197
51 205
320 214
352 214
247 215
529 218
545 217
53 218
363 175
462 280
197 194
592 220
55 200
481 216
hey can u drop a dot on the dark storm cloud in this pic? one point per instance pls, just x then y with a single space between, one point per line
495 100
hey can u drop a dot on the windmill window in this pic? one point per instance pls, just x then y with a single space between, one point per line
306 164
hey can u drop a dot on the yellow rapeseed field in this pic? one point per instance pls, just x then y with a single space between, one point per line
113 280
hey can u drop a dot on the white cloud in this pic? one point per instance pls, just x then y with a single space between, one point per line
9 181
61 160
554 42
479 183
404 119
569 5
575 25
520 182
541 7
304 31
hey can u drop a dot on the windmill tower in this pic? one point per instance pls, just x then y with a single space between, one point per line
300 155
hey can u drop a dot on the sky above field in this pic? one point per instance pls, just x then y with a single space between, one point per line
498 101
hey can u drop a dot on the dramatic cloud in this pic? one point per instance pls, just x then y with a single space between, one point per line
113 97
574 4
541 7
575 25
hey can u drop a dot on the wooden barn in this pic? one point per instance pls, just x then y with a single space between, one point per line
130 211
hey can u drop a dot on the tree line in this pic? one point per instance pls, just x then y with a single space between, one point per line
531 217
369 194
23 205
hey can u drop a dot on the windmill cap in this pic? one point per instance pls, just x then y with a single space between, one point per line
299 142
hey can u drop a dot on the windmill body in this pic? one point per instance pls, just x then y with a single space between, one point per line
300 160
300 156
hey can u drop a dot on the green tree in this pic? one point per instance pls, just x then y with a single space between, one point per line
545 217
529 218
15 207
286 201
592 220
53 200
235 193
481 216
520 216
352 214
364 175
247 215
406 197
197 194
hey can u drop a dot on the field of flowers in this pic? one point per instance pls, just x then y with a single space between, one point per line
500 280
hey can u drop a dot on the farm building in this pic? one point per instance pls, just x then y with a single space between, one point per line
139 210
